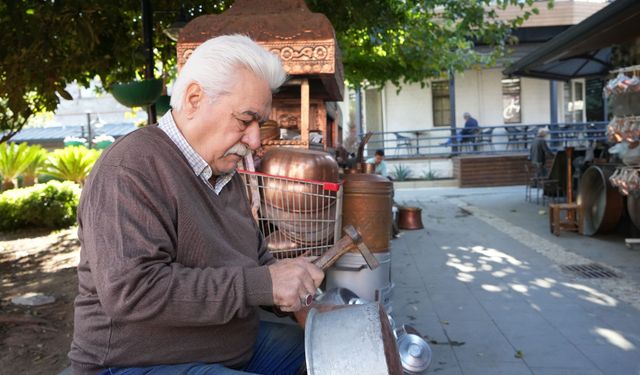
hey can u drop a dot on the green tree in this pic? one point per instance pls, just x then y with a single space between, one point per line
44 45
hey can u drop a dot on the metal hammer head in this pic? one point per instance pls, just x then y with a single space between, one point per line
371 260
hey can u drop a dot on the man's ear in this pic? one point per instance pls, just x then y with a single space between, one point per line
193 97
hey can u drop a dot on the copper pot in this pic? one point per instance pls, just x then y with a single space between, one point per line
410 217
280 246
300 164
367 206
370 168
601 203
307 227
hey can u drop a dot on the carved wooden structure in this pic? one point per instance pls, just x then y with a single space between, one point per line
307 47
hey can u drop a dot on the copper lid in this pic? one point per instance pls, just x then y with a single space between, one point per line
367 183
304 41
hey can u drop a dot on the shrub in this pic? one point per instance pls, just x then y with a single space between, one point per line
401 172
71 163
52 205
429 175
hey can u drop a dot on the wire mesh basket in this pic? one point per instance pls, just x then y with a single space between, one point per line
296 216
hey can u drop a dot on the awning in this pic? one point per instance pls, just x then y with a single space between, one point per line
584 50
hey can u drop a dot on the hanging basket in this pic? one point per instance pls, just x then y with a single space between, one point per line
137 93
163 104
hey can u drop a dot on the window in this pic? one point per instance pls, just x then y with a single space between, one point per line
511 101
574 109
441 105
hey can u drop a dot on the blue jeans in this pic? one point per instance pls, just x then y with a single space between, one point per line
279 350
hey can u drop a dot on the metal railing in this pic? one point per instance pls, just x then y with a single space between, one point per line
485 140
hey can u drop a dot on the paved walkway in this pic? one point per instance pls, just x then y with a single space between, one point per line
484 282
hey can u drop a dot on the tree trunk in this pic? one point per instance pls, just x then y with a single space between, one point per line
8 185
28 180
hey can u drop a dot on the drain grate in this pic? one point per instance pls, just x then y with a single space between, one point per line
590 271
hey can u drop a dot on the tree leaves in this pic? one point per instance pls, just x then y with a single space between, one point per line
45 45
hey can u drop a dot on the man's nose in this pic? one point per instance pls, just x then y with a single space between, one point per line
252 136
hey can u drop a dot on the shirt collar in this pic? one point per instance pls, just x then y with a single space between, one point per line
200 167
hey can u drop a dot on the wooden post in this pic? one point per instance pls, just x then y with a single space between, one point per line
304 112
569 175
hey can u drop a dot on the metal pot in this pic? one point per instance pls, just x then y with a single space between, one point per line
351 272
279 245
410 218
297 164
307 227
633 207
415 353
336 296
351 339
367 206
601 202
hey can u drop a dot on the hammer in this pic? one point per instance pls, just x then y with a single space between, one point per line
343 246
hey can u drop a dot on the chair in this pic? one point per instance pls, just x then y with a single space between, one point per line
469 139
486 138
540 184
402 141
513 137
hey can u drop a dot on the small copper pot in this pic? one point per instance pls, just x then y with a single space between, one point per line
410 217
370 168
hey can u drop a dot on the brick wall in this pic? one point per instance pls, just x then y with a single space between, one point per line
496 170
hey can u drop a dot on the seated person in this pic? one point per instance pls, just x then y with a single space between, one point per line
381 165
470 129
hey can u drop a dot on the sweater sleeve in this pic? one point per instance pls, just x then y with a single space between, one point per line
129 239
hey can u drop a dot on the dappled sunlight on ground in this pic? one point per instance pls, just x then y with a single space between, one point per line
593 295
615 338
507 270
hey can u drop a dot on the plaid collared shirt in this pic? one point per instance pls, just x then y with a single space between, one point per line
200 167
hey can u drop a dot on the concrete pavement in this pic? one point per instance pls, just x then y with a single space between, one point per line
484 282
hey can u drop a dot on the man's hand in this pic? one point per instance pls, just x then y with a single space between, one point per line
292 279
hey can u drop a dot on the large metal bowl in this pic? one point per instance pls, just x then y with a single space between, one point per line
308 228
633 207
351 339
601 203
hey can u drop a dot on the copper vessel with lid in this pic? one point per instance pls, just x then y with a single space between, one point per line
367 206
300 164
410 217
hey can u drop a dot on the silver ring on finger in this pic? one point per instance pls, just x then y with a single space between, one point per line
306 300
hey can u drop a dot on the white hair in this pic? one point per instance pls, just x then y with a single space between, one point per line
213 63
542 132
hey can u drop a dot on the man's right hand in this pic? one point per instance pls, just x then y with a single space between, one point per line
293 279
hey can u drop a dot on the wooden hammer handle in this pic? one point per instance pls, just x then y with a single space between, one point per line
343 246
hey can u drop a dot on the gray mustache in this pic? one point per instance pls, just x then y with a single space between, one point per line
238 149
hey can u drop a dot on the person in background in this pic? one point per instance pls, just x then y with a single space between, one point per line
538 153
381 165
468 133
173 268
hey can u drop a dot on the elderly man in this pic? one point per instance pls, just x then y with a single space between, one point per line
468 133
538 153
172 267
